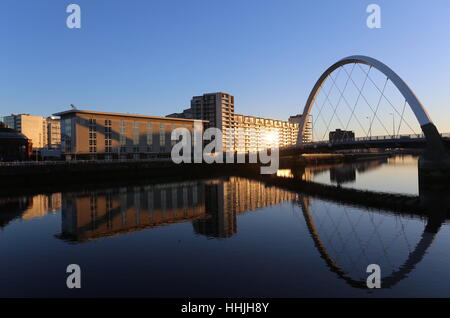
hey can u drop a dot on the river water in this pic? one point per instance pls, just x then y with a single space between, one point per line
224 237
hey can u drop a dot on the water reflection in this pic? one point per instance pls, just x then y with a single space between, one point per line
210 205
28 207
335 238
349 239
385 173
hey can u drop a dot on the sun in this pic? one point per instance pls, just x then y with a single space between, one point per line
271 138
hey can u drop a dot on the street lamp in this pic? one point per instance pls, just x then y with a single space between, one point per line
393 124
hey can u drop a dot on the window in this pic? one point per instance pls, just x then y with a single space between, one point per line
66 135
149 137
135 133
122 131
92 135
108 136
173 142
162 137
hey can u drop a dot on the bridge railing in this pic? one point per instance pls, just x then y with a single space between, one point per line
374 138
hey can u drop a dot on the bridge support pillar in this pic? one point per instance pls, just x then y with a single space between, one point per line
435 197
434 164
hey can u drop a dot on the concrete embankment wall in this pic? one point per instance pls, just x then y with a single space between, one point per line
64 173
43 173
407 204
313 159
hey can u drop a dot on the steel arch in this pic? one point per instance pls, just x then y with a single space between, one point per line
430 131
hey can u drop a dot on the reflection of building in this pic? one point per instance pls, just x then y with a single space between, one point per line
34 127
343 174
111 135
29 207
13 145
221 223
211 206
227 198
12 208
243 195
305 174
42 204
110 212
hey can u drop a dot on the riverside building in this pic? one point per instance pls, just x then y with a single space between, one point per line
102 135
258 133
33 127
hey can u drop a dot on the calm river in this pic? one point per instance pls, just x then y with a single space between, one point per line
225 237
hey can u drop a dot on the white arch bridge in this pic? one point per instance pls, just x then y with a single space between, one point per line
436 145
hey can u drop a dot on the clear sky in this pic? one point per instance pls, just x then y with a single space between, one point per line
150 57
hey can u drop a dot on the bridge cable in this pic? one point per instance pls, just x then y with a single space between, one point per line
378 106
356 103
339 101
323 104
368 104
326 100
401 118
387 99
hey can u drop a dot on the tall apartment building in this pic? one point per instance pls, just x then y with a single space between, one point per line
33 127
308 133
259 133
103 135
217 109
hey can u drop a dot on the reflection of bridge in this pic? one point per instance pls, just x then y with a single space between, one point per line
432 204
387 282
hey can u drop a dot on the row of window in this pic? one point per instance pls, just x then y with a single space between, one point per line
123 136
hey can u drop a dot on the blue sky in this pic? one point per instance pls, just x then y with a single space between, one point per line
151 57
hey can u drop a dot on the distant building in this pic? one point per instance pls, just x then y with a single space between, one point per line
341 135
308 133
33 127
187 113
53 133
14 146
102 135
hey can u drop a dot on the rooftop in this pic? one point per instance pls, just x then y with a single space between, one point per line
8 133
77 111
